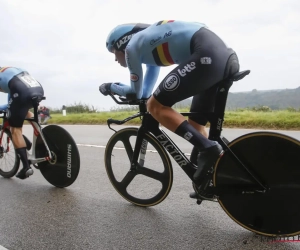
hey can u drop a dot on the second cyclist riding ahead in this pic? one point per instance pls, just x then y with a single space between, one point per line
256 181
52 150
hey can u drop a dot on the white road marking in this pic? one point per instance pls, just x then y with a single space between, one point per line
99 146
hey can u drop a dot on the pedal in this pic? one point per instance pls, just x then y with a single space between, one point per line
200 194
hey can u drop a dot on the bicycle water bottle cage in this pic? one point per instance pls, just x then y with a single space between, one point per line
239 75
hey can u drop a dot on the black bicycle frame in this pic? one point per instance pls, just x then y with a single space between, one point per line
216 118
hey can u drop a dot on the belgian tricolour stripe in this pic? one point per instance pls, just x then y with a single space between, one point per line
164 21
3 69
162 55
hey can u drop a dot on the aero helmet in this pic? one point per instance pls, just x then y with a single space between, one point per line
119 37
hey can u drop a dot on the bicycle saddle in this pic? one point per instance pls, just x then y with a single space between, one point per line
239 75
37 99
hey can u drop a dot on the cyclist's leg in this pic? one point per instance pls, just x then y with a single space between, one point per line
202 103
175 88
199 127
21 150
175 122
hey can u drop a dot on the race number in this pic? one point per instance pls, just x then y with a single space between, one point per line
29 80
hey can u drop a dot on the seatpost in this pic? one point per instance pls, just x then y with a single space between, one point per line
35 104
35 113
216 121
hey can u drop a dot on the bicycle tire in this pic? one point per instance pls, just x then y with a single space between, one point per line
9 157
65 170
276 159
138 182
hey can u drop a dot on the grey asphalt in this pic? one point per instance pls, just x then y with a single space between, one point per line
90 214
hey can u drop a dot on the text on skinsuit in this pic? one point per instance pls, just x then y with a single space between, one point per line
173 152
69 156
187 68
172 82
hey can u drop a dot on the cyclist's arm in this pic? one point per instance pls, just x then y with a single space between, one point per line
135 68
136 75
150 79
121 89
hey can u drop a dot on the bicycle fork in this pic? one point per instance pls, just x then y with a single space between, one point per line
31 157
139 152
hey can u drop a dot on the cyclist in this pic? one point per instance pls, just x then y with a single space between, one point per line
20 87
202 59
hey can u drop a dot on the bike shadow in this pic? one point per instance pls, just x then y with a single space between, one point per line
161 227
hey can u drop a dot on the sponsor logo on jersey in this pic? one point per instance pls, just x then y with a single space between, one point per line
155 40
172 82
159 38
168 34
134 77
187 68
162 56
205 60
124 40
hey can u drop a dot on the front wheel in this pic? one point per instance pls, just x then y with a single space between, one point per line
275 158
63 170
9 160
147 183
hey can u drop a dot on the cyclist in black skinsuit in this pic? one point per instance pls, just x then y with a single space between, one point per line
21 87
203 60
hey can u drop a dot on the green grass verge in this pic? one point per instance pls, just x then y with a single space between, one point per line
238 119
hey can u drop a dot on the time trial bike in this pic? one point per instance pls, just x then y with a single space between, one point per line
53 151
256 181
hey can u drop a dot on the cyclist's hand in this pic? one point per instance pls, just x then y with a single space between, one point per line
105 88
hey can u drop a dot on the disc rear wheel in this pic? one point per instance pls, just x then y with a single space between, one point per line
275 158
63 170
